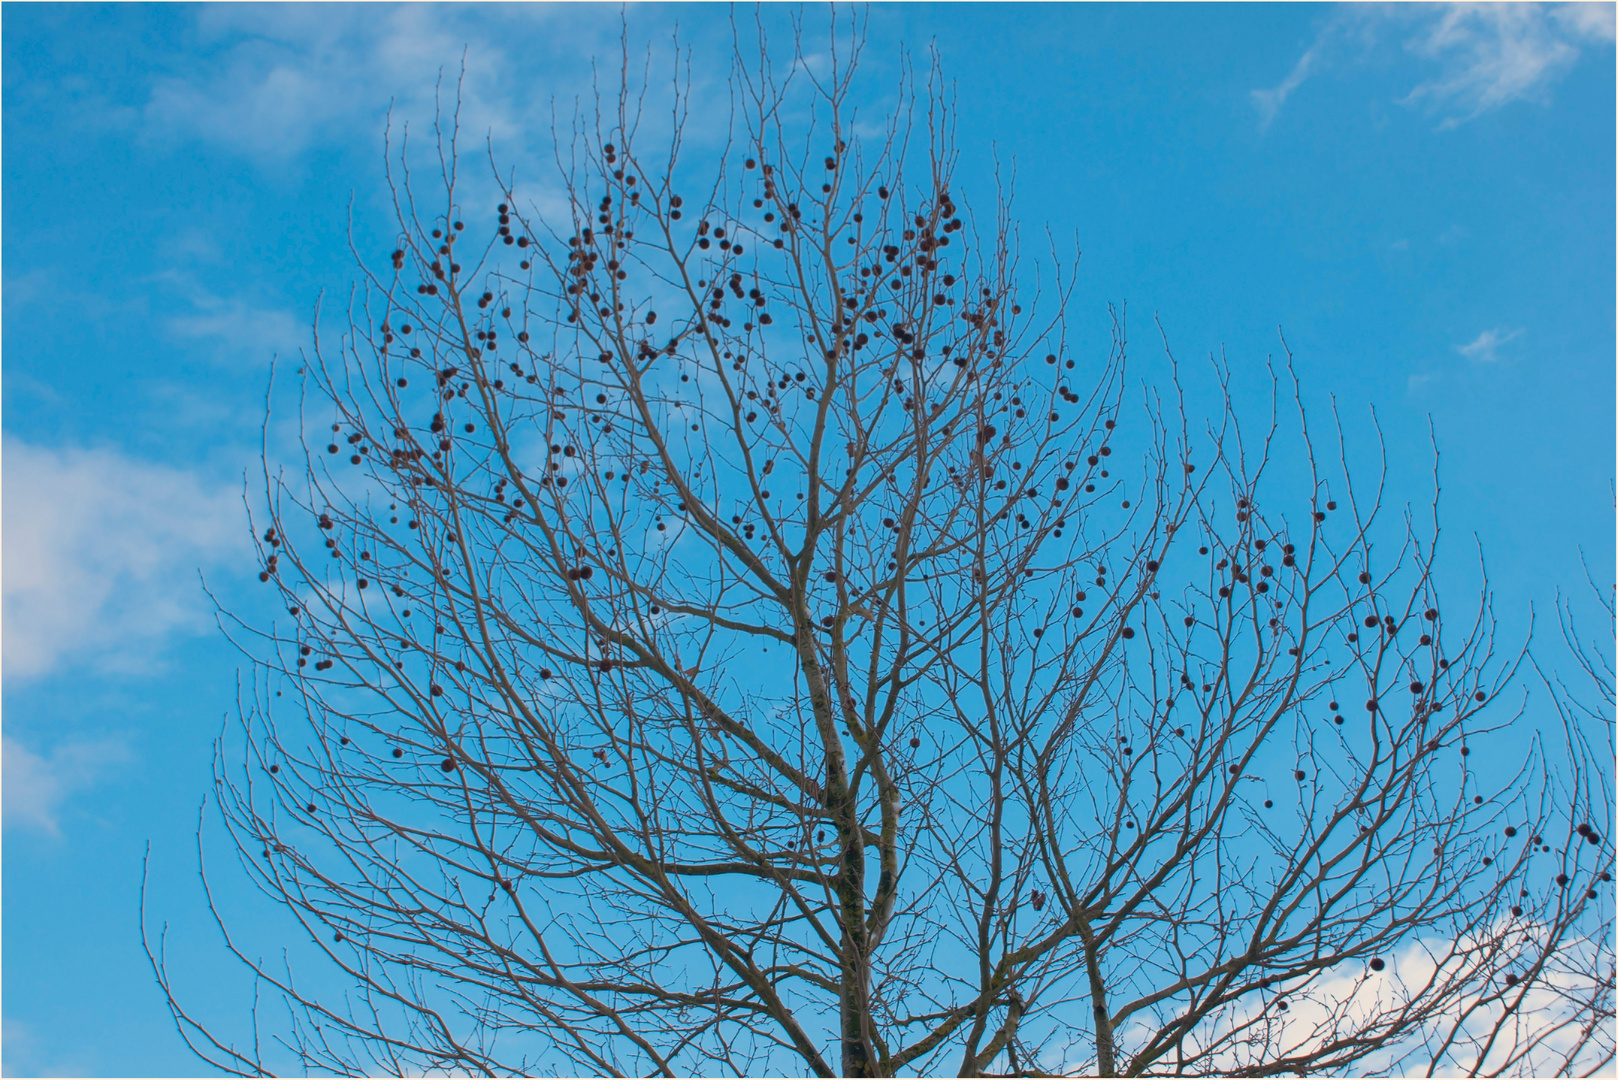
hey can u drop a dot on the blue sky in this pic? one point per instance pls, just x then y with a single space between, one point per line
1421 199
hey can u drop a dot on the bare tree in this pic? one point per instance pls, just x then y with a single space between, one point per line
1566 1026
722 638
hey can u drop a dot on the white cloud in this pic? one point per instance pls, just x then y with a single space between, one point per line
244 331
1473 57
1351 997
34 785
287 77
1492 54
1591 21
1269 102
1483 347
101 554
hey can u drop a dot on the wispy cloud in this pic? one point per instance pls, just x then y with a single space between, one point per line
27 1054
1483 348
1493 54
287 77
1590 21
101 554
1269 102
34 786
240 328
1473 57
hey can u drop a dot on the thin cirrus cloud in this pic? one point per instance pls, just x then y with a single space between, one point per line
35 785
1474 57
243 331
1269 102
290 77
101 556
1484 348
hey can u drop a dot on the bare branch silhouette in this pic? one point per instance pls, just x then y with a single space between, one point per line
724 636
